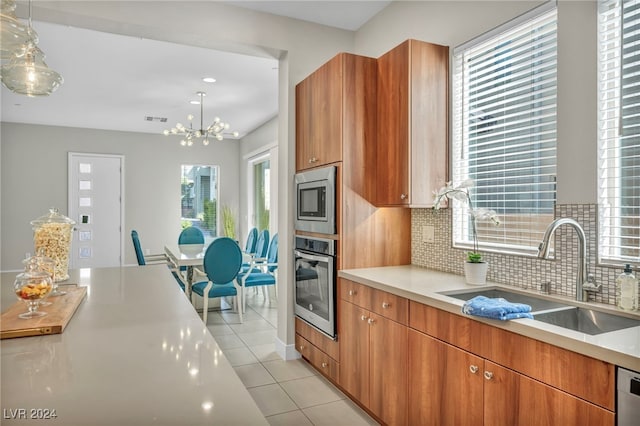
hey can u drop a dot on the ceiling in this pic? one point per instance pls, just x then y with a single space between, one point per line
116 82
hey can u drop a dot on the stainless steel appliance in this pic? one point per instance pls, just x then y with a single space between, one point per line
628 397
315 290
316 200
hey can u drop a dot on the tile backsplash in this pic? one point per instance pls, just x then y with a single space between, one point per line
520 271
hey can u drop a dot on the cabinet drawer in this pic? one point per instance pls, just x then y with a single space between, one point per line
355 293
390 306
303 346
319 340
320 360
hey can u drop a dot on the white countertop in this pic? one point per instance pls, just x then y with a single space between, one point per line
134 353
423 285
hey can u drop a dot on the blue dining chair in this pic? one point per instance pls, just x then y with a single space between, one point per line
191 235
222 261
153 258
257 277
252 239
259 256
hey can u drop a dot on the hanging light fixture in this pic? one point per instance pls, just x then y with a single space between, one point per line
13 33
217 130
27 73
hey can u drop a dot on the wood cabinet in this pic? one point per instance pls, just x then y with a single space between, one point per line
373 351
331 106
450 386
412 130
318 350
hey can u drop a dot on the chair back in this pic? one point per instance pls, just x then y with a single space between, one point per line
222 260
191 235
272 254
137 247
263 244
252 239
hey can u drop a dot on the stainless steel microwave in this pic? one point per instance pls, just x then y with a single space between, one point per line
316 200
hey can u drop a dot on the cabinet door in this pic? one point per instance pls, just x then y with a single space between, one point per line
354 351
303 123
388 369
511 398
445 383
393 127
319 108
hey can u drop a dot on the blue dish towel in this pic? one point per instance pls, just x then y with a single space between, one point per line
497 308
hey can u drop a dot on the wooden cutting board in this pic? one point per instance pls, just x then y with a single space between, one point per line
59 314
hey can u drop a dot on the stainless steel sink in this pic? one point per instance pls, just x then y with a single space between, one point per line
536 303
586 321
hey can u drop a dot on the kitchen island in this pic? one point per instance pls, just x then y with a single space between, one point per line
135 353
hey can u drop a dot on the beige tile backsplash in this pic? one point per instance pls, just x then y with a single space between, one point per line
519 271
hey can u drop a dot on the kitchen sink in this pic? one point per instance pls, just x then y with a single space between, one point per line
536 303
586 320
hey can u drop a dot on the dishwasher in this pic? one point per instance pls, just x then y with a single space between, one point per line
628 397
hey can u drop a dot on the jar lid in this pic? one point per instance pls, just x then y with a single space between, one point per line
31 271
52 217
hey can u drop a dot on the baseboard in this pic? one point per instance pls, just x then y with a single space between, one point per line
286 352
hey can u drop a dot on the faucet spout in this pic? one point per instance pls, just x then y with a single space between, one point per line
544 251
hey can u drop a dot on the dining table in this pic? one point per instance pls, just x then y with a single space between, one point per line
189 256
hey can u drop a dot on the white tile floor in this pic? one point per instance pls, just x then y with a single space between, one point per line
287 392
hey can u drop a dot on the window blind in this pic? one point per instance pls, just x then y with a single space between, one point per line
504 133
619 131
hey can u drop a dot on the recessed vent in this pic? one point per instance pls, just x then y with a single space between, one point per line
160 119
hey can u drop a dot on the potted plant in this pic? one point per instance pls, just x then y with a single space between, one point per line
228 222
475 268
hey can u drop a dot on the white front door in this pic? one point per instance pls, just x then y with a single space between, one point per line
95 203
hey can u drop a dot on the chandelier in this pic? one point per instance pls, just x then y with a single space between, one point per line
26 72
217 130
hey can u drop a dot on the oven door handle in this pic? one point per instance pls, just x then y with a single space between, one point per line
308 256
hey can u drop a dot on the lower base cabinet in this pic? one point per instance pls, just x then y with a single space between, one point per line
450 386
373 367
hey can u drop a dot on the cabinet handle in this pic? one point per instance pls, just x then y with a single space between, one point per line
385 305
363 317
312 160
370 321
352 292
473 369
301 348
403 196
324 365
488 375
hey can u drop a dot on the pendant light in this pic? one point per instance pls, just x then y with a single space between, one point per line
27 73
13 33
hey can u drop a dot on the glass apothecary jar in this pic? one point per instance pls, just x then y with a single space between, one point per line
52 235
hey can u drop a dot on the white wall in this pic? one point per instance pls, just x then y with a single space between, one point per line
34 171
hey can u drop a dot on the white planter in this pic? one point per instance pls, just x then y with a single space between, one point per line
476 273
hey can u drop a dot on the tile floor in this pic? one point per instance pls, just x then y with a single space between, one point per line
287 392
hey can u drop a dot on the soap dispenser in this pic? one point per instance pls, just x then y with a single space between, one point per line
627 290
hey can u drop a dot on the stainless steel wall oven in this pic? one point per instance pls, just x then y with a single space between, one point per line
315 289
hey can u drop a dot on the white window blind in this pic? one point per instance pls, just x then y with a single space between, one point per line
504 132
619 131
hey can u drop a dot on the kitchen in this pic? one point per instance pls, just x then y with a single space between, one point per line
308 46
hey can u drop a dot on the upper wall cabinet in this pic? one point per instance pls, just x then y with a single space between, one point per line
412 105
330 106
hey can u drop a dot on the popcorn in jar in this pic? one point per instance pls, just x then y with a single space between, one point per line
52 238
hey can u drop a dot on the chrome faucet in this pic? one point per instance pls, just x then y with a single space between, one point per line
582 287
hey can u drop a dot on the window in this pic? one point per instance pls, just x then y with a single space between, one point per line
199 198
260 191
504 131
619 131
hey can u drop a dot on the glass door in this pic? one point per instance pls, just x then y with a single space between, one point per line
260 192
